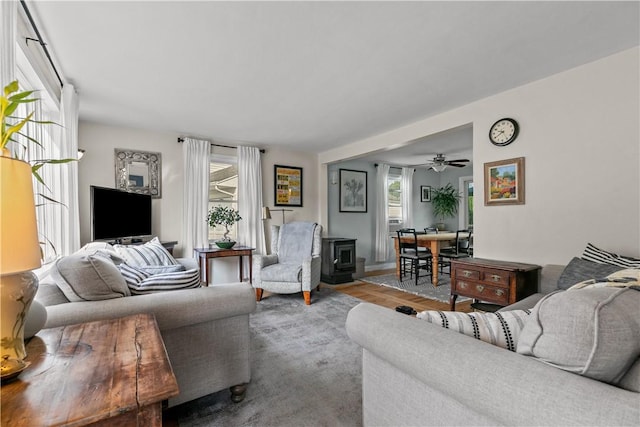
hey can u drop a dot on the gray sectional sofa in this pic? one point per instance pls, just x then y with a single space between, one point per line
418 373
205 330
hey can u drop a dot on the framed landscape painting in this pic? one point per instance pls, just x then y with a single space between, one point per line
353 191
504 182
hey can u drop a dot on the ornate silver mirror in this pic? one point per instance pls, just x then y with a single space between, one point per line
138 171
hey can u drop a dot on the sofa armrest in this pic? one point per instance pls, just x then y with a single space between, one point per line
508 387
311 273
172 309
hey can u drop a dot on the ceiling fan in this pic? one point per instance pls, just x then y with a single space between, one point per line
440 163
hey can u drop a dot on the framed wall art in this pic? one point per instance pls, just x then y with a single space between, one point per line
288 185
504 182
138 172
425 193
353 190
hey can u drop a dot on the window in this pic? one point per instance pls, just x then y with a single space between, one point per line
394 187
49 197
223 190
466 219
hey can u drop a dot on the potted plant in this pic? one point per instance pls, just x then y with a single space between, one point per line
445 202
226 216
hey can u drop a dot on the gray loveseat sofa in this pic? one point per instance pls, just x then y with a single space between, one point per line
418 373
205 330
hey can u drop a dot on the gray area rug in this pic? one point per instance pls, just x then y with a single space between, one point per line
424 289
305 370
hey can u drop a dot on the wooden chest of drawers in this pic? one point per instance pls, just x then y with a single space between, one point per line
496 282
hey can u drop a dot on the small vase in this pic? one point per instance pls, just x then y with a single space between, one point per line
225 244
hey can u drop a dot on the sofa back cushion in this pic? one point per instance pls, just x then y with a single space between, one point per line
594 332
86 276
578 270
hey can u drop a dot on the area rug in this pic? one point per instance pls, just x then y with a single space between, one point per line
424 289
305 370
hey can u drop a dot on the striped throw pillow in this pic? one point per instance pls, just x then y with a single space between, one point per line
594 254
141 282
501 328
150 253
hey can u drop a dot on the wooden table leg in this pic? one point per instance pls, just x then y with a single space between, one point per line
250 268
396 245
452 301
435 249
240 264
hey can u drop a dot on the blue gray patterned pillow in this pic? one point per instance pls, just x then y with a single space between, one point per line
149 254
578 270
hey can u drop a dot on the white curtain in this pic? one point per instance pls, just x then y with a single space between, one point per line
251 227
195 231
406 191
8 9
70 218
382 213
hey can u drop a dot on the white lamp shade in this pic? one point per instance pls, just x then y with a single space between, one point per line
19 246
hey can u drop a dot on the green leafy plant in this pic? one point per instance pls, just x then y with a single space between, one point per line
445 201
223 215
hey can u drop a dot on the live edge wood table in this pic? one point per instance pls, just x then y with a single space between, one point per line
203 255
110 372
497 282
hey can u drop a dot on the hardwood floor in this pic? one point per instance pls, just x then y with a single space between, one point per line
391 298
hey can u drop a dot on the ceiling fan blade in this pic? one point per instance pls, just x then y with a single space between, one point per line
457 161
457 165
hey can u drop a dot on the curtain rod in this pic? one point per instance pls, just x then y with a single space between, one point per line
262 150
39 40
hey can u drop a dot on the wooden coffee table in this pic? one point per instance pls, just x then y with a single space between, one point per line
110 372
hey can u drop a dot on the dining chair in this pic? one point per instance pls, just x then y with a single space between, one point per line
463 248
418 257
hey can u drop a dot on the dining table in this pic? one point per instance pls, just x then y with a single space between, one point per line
425 240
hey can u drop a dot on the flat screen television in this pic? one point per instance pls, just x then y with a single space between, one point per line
119 214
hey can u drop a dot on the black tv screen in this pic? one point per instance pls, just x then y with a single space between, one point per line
118 214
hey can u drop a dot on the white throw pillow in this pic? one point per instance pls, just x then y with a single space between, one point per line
141 282
500 328
149 254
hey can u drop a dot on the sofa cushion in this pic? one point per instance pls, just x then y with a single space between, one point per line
86 276
282 273
151 253
594 332
500 328
623 278
578 270
141 282
594 254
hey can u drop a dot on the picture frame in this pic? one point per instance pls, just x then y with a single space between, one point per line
504 182
425 193
353 190
138 171
287 185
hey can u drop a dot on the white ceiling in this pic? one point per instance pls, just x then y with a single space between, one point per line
312 76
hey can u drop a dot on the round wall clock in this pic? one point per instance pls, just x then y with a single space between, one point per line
503 132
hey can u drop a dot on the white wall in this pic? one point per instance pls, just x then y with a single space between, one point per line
97 167
580 136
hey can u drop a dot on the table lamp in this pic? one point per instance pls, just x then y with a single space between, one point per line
19 254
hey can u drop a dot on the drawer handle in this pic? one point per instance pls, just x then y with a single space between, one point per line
467 273
499 292
479 288
462 285
495 277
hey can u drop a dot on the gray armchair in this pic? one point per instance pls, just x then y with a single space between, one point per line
294 263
